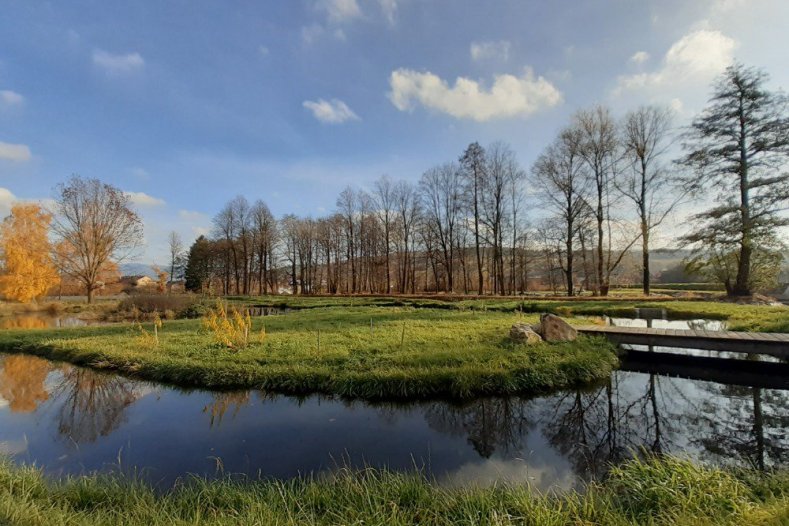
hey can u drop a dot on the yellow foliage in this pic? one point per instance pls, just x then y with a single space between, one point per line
28 270
229 327
161 279
22 382
148 339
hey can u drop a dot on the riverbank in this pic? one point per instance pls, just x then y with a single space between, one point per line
658 492
758 318
357 352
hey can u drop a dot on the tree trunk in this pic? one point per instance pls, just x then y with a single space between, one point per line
645 257
742 286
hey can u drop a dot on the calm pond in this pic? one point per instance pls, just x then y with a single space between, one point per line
71 420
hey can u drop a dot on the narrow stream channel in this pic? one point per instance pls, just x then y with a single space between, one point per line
70 420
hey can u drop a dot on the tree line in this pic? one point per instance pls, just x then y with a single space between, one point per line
603 187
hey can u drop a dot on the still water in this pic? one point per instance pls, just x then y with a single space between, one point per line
43 320
71 420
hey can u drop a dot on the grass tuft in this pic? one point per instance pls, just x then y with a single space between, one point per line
655 492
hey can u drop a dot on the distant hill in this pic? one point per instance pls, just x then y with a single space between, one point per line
137 269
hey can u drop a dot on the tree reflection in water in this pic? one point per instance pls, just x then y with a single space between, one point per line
24 321
489 424
93 404
22 382
224 401
749 428
598 428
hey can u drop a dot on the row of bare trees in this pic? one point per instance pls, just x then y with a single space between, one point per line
603 187
587 177
461 228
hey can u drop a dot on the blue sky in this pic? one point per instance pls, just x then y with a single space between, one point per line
187 104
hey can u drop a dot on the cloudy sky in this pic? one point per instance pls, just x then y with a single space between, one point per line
186 104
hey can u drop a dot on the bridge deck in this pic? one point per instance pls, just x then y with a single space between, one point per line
774 344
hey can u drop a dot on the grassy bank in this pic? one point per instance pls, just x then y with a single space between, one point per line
739 317
667 492
360 352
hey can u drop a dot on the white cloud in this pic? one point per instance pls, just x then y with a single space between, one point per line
509 96
310 34
10 98
143 199
14 152
499 50
118 64
263 50
191 215
332 111
639 57
7 200
695 58
140 173
725 6
198 222
339 11
389 8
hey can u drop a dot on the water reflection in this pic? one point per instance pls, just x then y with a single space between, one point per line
92 405
69 420
489 425
22 382
224 401
42 320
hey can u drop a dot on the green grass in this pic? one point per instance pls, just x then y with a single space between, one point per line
739 317
654 492
408 353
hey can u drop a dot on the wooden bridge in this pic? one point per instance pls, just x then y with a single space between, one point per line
772 344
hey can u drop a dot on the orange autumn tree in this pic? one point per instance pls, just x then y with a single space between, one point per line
28 269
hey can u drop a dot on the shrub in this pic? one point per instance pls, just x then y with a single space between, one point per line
149 303
229 327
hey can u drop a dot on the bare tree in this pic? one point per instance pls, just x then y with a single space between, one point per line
501 168
558 173
264 226
645 138
176 248
348 204
384 196
600 152
440 189
474 165
407 206
95 224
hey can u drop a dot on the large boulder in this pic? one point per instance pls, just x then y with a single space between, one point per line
555 329
523 333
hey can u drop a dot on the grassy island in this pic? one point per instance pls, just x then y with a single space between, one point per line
362 352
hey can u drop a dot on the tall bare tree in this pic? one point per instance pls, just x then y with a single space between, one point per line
407 206
176 249
559 175
440 189
264 226
645 182
473 162
384 196
600 151
95 224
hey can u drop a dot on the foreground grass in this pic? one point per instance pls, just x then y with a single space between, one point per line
738 317
657 492
360 352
